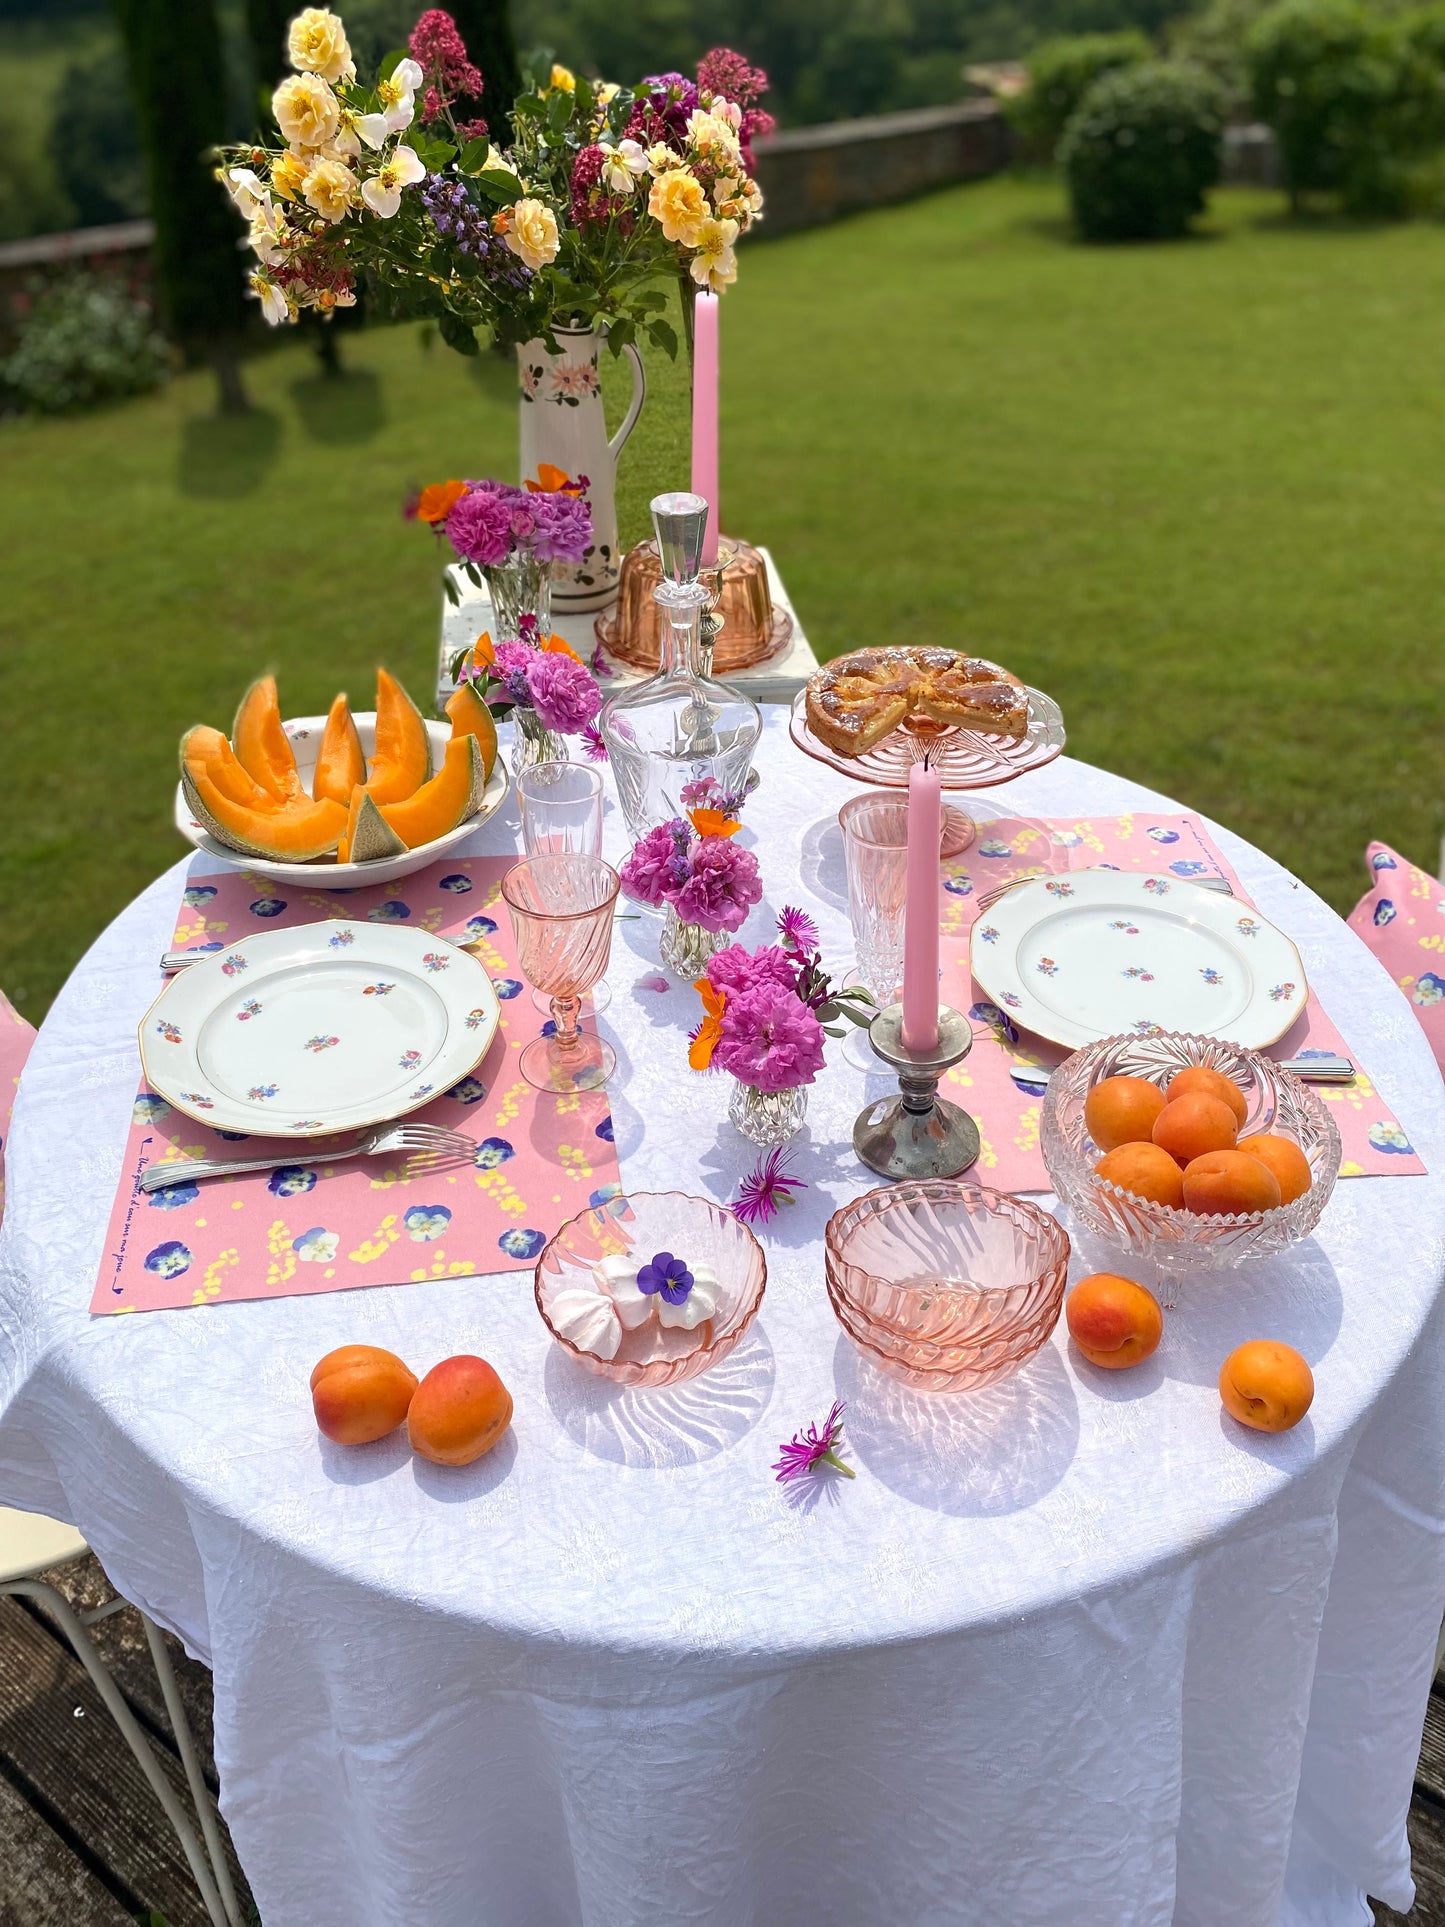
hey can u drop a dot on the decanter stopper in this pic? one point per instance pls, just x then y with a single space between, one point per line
679 523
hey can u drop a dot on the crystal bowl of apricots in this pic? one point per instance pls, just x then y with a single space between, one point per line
1187 1151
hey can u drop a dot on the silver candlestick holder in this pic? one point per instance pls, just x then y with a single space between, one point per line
917 1134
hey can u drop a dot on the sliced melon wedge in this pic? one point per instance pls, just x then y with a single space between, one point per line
203 748
368 836
452 795
261 744
470 716
340 764
401 761
293 832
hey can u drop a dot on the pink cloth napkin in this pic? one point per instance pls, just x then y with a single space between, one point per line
993 1081
16 1037
311 1227
1402 919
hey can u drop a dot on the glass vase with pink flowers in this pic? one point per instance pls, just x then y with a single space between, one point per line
692 869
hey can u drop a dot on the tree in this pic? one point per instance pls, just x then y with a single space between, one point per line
178 83
266 24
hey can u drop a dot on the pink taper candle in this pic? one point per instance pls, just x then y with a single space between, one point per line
704 415
920 912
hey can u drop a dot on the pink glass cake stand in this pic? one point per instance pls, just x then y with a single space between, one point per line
964 759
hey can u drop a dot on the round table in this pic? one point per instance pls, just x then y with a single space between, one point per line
1065 1651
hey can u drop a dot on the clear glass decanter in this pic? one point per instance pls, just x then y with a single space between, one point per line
681 726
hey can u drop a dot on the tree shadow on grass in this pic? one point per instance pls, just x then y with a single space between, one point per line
227 455
340 408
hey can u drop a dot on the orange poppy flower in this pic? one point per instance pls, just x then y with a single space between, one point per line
713 823
556 646
483 653
699 1054
438 499
551 480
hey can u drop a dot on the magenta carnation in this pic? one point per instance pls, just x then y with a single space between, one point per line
563 530
563 692
737 968
650 873
769 1040
479 528
722 886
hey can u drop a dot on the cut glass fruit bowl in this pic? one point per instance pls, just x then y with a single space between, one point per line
640 1226
1175 1239
947 1286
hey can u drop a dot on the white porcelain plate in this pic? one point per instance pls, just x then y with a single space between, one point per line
1099 953
305 735
329 1027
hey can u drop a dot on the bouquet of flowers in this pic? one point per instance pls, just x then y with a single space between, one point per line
510 535
692 866
604 190
767 1011
540 676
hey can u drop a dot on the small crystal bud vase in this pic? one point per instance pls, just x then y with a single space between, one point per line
533 742
681 726
685 948
520 586
768 1117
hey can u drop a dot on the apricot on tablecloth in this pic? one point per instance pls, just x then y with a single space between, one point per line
1266 1385
460 1410
1113 1321
360 1393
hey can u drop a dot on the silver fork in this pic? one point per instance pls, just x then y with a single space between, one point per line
422 1143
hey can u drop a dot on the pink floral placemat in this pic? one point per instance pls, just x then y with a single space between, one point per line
993 1081
311 1227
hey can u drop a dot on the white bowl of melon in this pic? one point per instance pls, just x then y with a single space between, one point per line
342 799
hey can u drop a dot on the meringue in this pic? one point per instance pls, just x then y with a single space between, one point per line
617 1277
588 1319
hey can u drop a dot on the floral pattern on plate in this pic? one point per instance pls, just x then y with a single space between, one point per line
377 990
434 960
258 1093
1214 978
409 1059
319 1044
169 1031
233 965
248 1010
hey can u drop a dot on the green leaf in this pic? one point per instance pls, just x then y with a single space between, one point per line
457 334
529 106
650 301
582 98
559 110
663 335
390 63
473 575
453 595
500 182
474 156
620 333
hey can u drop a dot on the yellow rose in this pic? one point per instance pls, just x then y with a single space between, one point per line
288 174
317 45
562 79
330 188
678 202
715 265
306 110
531 233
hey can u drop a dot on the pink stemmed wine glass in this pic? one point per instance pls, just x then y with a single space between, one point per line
562 908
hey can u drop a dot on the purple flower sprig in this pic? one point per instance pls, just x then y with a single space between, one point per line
766 1187
804 1452
798 940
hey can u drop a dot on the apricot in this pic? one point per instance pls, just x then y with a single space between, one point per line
1225 1181
1145 1170
460 1410
1188 1127
1113 1321
1122 1110
1199 1082
1266 1385
360 1393
1285 1158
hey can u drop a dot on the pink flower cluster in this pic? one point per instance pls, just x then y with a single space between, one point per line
727 75
493 520
707 880
768 1037
441 53
562 691
592 203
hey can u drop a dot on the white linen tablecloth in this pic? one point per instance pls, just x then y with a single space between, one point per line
1076 1651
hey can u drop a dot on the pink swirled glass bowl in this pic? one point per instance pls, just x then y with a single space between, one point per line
642 1223
947 1286
1176 1239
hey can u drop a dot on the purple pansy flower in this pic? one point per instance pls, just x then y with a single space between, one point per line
666 1275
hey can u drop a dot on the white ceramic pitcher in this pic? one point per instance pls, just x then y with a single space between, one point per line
562 422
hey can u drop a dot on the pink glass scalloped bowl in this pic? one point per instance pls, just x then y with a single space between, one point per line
1176 1239
640 1224
947 1286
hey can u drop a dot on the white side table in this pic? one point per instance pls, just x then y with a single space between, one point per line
775 681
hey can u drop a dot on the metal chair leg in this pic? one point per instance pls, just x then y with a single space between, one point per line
186 1745
74 1630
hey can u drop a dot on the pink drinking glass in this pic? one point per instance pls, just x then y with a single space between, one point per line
562 909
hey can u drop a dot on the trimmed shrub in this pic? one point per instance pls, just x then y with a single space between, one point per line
1060 73
84 340
1347 92
1142 152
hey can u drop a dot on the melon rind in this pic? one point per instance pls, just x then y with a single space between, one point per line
470 716
369 837
457 792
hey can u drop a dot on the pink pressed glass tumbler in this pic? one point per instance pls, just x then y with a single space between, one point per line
562 909
947 1286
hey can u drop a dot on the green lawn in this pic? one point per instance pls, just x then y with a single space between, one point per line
1195 491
